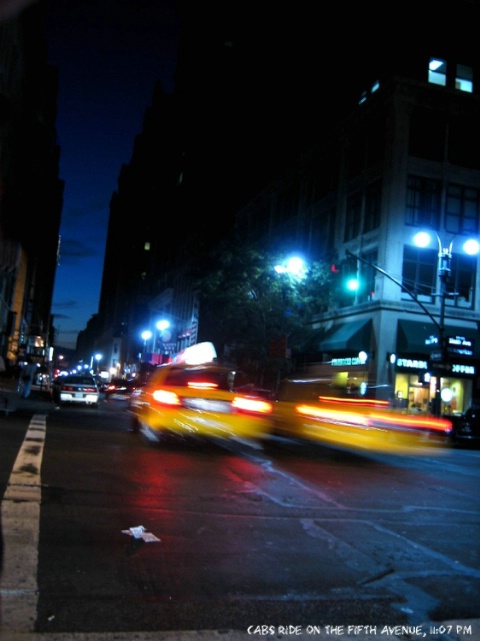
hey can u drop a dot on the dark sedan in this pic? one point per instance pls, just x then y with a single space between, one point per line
120 388
466 427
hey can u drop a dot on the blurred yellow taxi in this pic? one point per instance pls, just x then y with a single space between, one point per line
193 400
358 423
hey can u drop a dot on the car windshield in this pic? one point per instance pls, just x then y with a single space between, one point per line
78 380
208 377
183 377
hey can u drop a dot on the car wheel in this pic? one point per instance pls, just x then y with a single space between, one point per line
136 425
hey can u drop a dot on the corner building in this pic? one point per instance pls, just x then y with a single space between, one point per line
405 160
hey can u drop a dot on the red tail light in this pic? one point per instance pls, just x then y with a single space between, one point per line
202 385
253 405
166 398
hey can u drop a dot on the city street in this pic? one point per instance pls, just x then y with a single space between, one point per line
277 541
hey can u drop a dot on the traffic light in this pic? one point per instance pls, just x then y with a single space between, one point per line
350 274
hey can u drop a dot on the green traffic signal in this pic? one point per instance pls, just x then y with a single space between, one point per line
352 284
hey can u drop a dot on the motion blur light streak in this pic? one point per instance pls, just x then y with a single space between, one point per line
371 402
353 424
252 405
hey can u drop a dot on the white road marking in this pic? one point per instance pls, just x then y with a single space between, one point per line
21 526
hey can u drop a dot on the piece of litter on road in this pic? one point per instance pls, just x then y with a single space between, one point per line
139 532
148 537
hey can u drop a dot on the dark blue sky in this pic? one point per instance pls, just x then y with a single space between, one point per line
109 55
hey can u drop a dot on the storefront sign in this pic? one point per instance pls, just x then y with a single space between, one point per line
455 345
348 360
460 345
464 369
412 363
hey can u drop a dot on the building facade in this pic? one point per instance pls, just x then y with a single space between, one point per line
31 192
406 160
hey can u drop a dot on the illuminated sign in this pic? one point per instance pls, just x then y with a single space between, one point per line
463 369
412 363
455 344
460 345
350 360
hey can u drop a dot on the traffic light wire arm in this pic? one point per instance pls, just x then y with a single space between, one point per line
402 287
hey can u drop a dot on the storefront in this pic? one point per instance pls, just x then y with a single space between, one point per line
419 366
346 349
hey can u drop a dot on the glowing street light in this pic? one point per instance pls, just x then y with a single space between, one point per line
98 358
162 325
146 336
294 266
471 247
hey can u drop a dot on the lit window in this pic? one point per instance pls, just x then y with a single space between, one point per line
146 246
463 79
437 72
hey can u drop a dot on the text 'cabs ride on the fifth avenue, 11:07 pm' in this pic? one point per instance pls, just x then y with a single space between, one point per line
199 400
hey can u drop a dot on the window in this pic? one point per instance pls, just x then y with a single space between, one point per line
353 216
462 210
419 272
367 277
437 72
423 202
419 276
428 134
373 199
462 280
321 232
463 79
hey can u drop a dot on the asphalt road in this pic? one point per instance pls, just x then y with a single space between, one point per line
379 529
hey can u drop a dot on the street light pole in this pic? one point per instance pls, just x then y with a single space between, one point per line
422 239
443 273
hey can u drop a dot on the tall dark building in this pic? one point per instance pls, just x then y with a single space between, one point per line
257 89
30 189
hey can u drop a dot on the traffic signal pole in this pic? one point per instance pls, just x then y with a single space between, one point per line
443 275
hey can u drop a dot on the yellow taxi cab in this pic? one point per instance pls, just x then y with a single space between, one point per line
307 410
199 400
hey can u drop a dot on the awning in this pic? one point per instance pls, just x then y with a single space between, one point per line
348 337
416 338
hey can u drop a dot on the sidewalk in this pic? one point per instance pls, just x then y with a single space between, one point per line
11 401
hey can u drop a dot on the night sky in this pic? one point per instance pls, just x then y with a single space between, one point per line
109 55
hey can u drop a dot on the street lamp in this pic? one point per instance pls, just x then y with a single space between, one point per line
296 269
162 325
98 358
294 266
471 247
146 336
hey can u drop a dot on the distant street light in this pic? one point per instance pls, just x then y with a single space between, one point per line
98 358
146 336
162 325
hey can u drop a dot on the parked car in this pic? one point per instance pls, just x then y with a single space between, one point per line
120 388
198 401
75 388
466 427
